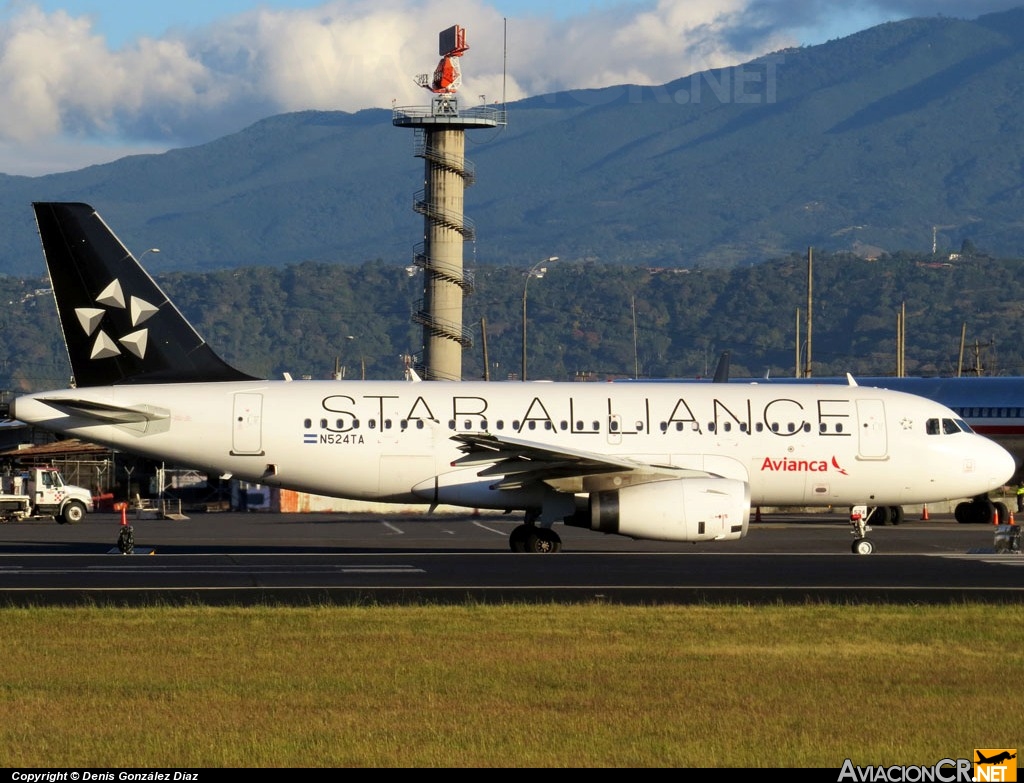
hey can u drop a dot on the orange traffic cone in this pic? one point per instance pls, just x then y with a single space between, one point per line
924 513
995 516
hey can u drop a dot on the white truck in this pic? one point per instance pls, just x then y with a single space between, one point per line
41 492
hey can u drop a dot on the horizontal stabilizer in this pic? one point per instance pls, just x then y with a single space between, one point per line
103 412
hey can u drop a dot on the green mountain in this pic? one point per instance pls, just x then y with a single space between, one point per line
887 140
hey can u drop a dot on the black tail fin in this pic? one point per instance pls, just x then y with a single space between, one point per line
118 325
722 370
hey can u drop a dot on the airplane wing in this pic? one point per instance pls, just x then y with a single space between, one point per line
522 462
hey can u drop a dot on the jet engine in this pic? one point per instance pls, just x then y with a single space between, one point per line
690 509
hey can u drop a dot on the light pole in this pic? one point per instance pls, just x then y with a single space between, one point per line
150 250
537 270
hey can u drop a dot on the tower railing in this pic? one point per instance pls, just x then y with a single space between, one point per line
464 278
457 165
443 216
442 327
488 115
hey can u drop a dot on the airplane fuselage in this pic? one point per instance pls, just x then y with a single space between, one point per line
392 440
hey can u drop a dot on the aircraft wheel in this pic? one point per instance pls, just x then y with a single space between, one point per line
1004 512
982 511
962 513
896 515
879 516
517 540
543 541
862 546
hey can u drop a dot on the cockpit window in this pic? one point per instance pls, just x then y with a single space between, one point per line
963 425
946 426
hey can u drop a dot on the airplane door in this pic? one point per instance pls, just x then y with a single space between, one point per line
247 424
872 442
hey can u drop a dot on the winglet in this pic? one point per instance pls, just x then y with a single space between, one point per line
850 379
119 327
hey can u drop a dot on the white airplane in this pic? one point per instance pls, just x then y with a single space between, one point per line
647 461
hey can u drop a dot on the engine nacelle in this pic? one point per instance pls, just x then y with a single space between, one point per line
690 509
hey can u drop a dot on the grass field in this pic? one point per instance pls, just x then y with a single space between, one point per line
508 686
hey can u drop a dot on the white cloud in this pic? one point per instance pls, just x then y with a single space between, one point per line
60 80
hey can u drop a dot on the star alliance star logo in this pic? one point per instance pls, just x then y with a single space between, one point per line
104 346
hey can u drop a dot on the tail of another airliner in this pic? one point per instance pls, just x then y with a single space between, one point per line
118 325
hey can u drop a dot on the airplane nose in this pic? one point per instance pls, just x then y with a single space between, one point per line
1001 464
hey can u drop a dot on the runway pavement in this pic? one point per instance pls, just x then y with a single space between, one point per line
230 558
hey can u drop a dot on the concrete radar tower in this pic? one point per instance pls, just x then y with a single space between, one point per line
440 141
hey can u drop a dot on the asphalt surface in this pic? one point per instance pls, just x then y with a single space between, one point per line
237 558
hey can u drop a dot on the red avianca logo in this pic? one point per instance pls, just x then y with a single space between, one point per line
789 465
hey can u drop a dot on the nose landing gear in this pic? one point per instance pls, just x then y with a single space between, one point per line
862 545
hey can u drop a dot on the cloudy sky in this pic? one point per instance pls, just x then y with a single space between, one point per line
89 81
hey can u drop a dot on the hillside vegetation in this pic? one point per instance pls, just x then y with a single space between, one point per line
585 320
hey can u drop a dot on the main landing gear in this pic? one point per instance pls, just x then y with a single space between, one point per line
530 538
862 545
981 510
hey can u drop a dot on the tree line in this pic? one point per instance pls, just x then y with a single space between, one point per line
586 321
